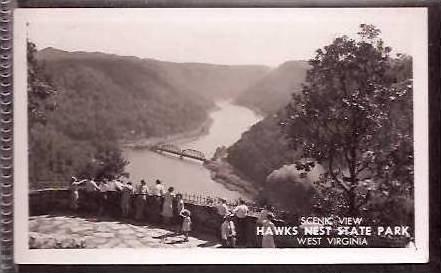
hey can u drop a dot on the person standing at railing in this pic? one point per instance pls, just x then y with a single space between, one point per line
241 213
140 200
228 232
222 211
157 192
158 189
92 194
268 238
126 193
177 211
263 215
74 193
167 206
104 198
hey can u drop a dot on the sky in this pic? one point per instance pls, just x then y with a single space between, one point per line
221 36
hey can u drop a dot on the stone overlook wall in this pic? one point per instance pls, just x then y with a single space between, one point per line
204 217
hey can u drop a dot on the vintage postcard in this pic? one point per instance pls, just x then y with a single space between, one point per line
221 136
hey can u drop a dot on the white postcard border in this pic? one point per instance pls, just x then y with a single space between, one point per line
420 254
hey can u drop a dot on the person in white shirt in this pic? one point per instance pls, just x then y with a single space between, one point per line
158 189
241 213
157 192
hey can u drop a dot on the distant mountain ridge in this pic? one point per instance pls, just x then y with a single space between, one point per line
274 90
212 81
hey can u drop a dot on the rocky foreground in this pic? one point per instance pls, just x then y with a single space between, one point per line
77 232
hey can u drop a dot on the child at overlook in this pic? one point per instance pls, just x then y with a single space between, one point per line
186 223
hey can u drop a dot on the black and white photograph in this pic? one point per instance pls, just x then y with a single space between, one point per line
233 134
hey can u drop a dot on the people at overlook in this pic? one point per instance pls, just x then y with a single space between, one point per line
167 206
241 213
140 200
126 193
232 227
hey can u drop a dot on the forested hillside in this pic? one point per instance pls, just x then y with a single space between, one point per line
271 92
264 150
261 149
101 90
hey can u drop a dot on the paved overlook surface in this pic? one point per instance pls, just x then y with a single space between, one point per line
48 231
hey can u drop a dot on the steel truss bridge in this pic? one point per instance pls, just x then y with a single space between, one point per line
173 149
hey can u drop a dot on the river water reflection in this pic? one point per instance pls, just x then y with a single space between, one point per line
189 176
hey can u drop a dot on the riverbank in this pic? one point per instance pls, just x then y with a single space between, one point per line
178 138
253 108
223 173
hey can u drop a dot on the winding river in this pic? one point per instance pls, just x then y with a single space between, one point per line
229 121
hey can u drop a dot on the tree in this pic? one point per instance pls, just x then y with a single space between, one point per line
355 118
40 91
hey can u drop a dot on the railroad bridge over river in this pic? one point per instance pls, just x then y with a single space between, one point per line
182 153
